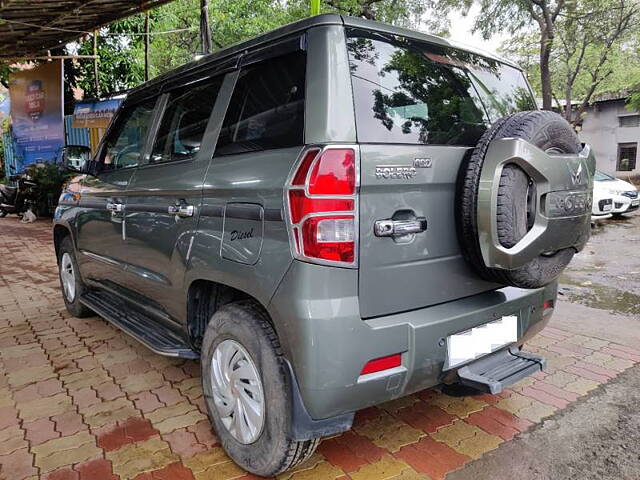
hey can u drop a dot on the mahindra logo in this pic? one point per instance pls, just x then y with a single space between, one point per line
576 176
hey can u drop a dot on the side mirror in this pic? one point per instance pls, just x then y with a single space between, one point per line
76 158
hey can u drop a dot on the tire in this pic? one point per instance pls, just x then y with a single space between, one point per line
72 302
3 213
515 209
271 451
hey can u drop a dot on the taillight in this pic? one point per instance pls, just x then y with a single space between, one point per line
322 206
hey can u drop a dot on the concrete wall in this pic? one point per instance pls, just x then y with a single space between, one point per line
601 129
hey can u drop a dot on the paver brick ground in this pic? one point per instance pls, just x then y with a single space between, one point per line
81 400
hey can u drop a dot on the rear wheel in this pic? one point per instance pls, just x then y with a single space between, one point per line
70 281
250 416
3 213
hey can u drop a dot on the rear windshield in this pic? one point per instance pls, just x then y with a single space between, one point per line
407 91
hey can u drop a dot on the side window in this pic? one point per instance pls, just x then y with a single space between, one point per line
125 143
184 122
267 107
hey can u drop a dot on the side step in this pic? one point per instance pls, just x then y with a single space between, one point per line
150 332
499 370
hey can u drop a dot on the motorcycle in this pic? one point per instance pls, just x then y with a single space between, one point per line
19 199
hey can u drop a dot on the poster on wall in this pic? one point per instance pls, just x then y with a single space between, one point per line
36 112
96 114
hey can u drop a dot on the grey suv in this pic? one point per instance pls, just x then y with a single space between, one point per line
330 216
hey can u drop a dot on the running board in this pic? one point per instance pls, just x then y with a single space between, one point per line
148 331
494 372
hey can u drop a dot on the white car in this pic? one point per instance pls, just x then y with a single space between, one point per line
602 203
625 195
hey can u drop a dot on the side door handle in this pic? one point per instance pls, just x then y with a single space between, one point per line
181 210
115 207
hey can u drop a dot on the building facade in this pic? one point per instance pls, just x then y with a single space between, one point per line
613 131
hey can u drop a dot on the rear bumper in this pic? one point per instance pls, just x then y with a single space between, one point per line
316 313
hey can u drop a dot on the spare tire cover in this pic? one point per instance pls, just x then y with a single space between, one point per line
547 131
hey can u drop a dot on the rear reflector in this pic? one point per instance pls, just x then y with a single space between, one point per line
547 305
384 363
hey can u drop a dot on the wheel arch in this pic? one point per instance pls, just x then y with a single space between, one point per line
204 298
59 233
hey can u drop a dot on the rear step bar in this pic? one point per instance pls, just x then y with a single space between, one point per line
499 370
148 331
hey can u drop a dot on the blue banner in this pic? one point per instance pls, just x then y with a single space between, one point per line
36 112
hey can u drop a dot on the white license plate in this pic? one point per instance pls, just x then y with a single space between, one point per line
635 203
471 344
607 208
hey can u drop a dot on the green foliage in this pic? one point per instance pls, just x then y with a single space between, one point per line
121 63
5 70
634 101
119 67
593 44
50 179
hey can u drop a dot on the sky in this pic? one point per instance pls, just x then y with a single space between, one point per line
461 31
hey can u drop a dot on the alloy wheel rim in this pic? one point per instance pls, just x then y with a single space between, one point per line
68 277
237 391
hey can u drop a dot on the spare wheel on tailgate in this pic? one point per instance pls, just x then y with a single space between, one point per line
524 199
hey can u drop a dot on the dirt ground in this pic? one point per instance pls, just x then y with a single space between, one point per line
597 437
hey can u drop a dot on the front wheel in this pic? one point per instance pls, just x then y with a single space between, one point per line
70 281
250 416
3 213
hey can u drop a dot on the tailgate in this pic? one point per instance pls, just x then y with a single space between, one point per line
400 274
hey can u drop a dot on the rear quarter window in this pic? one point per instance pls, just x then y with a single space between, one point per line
412 92
266 110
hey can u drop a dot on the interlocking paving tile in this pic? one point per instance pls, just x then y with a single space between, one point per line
389 433
386 467
432 458
81 400
168 419
140 457
467 439
62 451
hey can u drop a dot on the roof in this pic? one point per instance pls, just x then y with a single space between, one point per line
302 25
32 28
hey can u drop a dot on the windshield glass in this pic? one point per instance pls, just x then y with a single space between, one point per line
602 177
413 92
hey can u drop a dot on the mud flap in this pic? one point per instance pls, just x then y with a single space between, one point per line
494 372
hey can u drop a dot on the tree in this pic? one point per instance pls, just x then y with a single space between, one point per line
591 46
597 49
598 25
119 65
634 101
513 16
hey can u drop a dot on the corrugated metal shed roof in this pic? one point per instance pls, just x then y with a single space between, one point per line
32 27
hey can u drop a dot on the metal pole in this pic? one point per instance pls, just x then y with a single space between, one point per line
146 46
205 33
315 7
95 63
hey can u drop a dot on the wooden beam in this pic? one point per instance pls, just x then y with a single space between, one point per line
95 63
47 57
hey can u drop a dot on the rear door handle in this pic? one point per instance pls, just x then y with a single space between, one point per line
115 207
398 228
181 210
